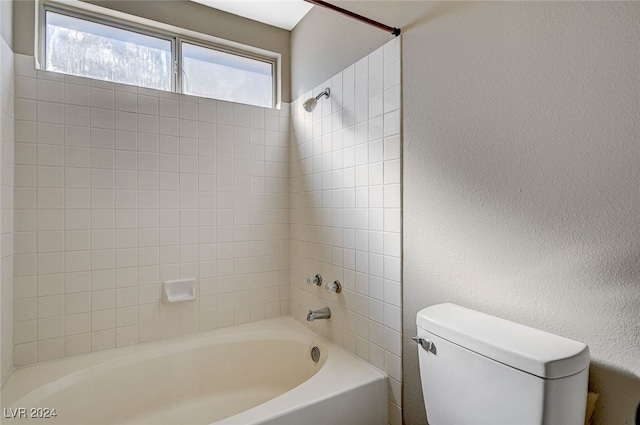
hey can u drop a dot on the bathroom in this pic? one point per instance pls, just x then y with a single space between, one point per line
519 192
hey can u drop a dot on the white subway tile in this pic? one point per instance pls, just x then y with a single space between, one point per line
148 142
126 140
102 198
25 331
26 88
77 344
127 306
74 304
25 287
25 175
103 340
51 241
51 155
77 115
75 177
375 127
391 51
188 129
103 158
126 336
102 259
25 309
126 121
392 76
25 198
25 109
77 220
392 123
102 138
51 198
50 349
51 134
392 196
376 82
50 327
102 118
76 261
375 61
148 199
392 268
103 319
76 157
102 98
50 112
148 124
77 240
75 94
51 262
168 127
149 332
25 354
395 414
126 257
78 282
127 102
126 199
393 366
50 306
376 196
188 109
25 153
168 108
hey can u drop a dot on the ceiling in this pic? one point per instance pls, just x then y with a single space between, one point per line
283 14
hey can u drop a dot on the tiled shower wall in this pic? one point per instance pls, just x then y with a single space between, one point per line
345 211
121 188
6 207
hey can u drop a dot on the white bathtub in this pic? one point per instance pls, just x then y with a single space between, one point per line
257 373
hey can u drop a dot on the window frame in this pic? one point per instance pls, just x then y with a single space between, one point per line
175 35
224 49
49 7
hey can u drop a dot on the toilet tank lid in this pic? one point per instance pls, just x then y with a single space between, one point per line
534 351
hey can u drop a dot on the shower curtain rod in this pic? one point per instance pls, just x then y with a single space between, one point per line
392 30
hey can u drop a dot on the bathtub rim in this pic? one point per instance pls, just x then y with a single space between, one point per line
26 382
34 376
340 364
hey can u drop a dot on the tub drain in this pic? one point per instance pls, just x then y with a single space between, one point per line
315 354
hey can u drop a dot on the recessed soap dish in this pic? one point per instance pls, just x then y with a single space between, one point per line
179 290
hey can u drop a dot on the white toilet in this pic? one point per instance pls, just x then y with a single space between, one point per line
479 369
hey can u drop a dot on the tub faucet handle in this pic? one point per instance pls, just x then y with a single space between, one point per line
336 287
315 280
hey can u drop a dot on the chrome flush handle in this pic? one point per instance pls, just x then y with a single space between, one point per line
425 344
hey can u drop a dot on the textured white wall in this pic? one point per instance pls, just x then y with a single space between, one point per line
521 169
326 43
522 178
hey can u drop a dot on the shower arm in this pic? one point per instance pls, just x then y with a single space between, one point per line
392 30
326 93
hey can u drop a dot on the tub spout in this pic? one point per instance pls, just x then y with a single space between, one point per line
323 313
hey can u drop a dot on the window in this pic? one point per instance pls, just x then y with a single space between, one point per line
89 49
95 47
213 73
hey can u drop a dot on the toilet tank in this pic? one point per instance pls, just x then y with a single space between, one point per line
485 370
